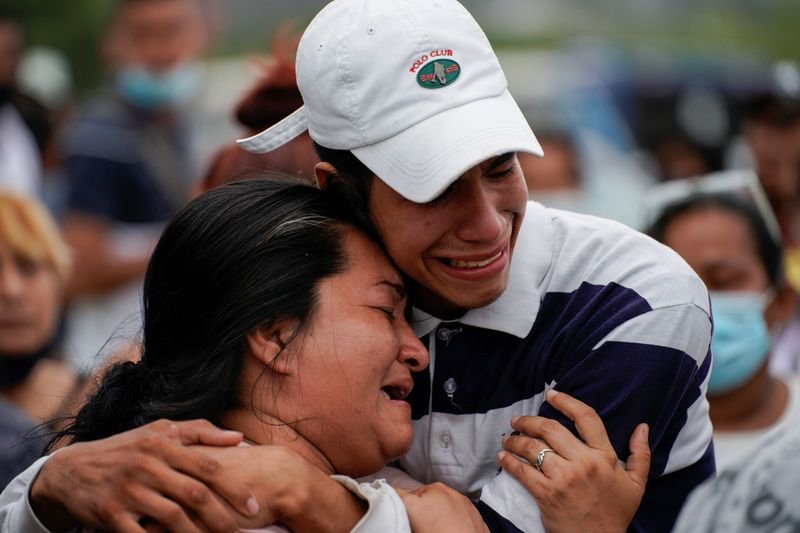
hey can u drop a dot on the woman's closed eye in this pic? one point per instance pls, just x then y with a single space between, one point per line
388 311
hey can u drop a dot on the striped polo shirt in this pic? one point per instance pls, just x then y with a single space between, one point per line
593 309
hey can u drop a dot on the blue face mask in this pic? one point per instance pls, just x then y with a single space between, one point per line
158 91
740 341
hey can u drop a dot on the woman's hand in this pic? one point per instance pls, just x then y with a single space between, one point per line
437 507
579 485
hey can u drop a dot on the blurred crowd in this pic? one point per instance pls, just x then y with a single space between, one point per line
708 167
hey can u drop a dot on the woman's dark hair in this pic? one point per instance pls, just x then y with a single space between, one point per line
350 186
237 258
767 247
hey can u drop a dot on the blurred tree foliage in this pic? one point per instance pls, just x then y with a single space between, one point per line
73 26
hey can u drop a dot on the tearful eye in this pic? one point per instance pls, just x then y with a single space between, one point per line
388 311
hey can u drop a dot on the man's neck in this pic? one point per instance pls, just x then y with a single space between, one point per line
435 305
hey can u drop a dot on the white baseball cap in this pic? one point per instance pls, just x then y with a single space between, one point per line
411 87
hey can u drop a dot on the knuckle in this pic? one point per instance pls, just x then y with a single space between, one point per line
530 447
559 493
150 443
610 458
584 411
172 512
159 425
199 423
298 501
515 468
591 469
208 465
194 492
107 515
550 426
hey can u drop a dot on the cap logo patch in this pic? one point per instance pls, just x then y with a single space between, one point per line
439 73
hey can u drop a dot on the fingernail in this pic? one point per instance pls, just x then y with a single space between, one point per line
645 431
500 456
252 506
514 419
549 395
231 433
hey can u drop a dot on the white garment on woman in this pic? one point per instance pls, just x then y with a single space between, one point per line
386 512
733 447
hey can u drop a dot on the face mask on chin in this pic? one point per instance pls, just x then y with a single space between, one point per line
740 341
154 91
5 94
14 369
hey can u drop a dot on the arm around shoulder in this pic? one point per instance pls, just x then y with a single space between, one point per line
16 513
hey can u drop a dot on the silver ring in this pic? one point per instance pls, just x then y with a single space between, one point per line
540 458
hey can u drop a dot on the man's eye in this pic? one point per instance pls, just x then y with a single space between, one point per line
499 176
442 197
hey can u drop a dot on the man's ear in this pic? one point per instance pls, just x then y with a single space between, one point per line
268 345
323 171
783 304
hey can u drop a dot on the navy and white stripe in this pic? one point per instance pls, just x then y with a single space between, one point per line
593 309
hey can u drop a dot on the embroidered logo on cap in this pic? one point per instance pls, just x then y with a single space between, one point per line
438 73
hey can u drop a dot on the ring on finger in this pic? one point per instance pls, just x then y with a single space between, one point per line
540 458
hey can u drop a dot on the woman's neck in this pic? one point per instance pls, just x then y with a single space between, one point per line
264 429
757 404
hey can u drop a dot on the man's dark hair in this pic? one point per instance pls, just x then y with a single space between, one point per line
350 186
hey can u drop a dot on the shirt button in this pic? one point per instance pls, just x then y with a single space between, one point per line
444 440
443 334
450 386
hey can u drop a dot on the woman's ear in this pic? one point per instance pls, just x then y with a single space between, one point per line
783 304
323 171
268 345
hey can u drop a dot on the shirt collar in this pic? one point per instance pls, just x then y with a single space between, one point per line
515 310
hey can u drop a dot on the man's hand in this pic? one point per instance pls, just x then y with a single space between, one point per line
436 507
146 474
580 485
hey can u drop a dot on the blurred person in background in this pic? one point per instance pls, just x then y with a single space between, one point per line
770 144
677 156
557 179
273 96
24 124
557 172
727 242
34 262
761 495
127 165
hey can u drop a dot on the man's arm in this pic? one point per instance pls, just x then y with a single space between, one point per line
146 472
652 368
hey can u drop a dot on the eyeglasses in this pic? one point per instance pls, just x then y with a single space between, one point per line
740 183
